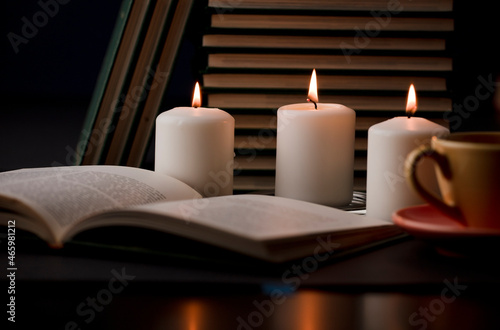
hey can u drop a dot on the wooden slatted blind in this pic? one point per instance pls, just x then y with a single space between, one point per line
260 55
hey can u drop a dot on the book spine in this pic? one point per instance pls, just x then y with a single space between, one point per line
102 79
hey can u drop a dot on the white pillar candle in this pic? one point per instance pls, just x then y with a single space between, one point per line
196 146
389 143
315 151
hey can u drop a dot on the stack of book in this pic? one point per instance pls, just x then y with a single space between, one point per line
133 79
260 55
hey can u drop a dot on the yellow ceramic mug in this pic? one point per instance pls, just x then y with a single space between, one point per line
468 172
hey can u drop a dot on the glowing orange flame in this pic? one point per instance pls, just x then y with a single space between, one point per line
411 102
312 96
196 96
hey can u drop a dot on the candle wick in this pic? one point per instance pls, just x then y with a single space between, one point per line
315 105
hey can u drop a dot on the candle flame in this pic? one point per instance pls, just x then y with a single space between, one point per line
411 102
312 96
196 96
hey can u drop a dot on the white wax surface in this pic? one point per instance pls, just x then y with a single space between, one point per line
389 143
315 153
196 146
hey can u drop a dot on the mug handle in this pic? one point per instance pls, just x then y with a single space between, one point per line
411 163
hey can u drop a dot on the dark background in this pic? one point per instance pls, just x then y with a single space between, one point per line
46 87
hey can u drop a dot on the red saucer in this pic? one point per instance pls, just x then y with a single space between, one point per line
448 235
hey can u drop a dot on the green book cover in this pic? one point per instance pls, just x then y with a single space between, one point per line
103 77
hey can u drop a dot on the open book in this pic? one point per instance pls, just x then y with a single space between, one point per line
58 203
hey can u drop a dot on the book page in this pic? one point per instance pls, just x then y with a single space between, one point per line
261 217
65 195
266 227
